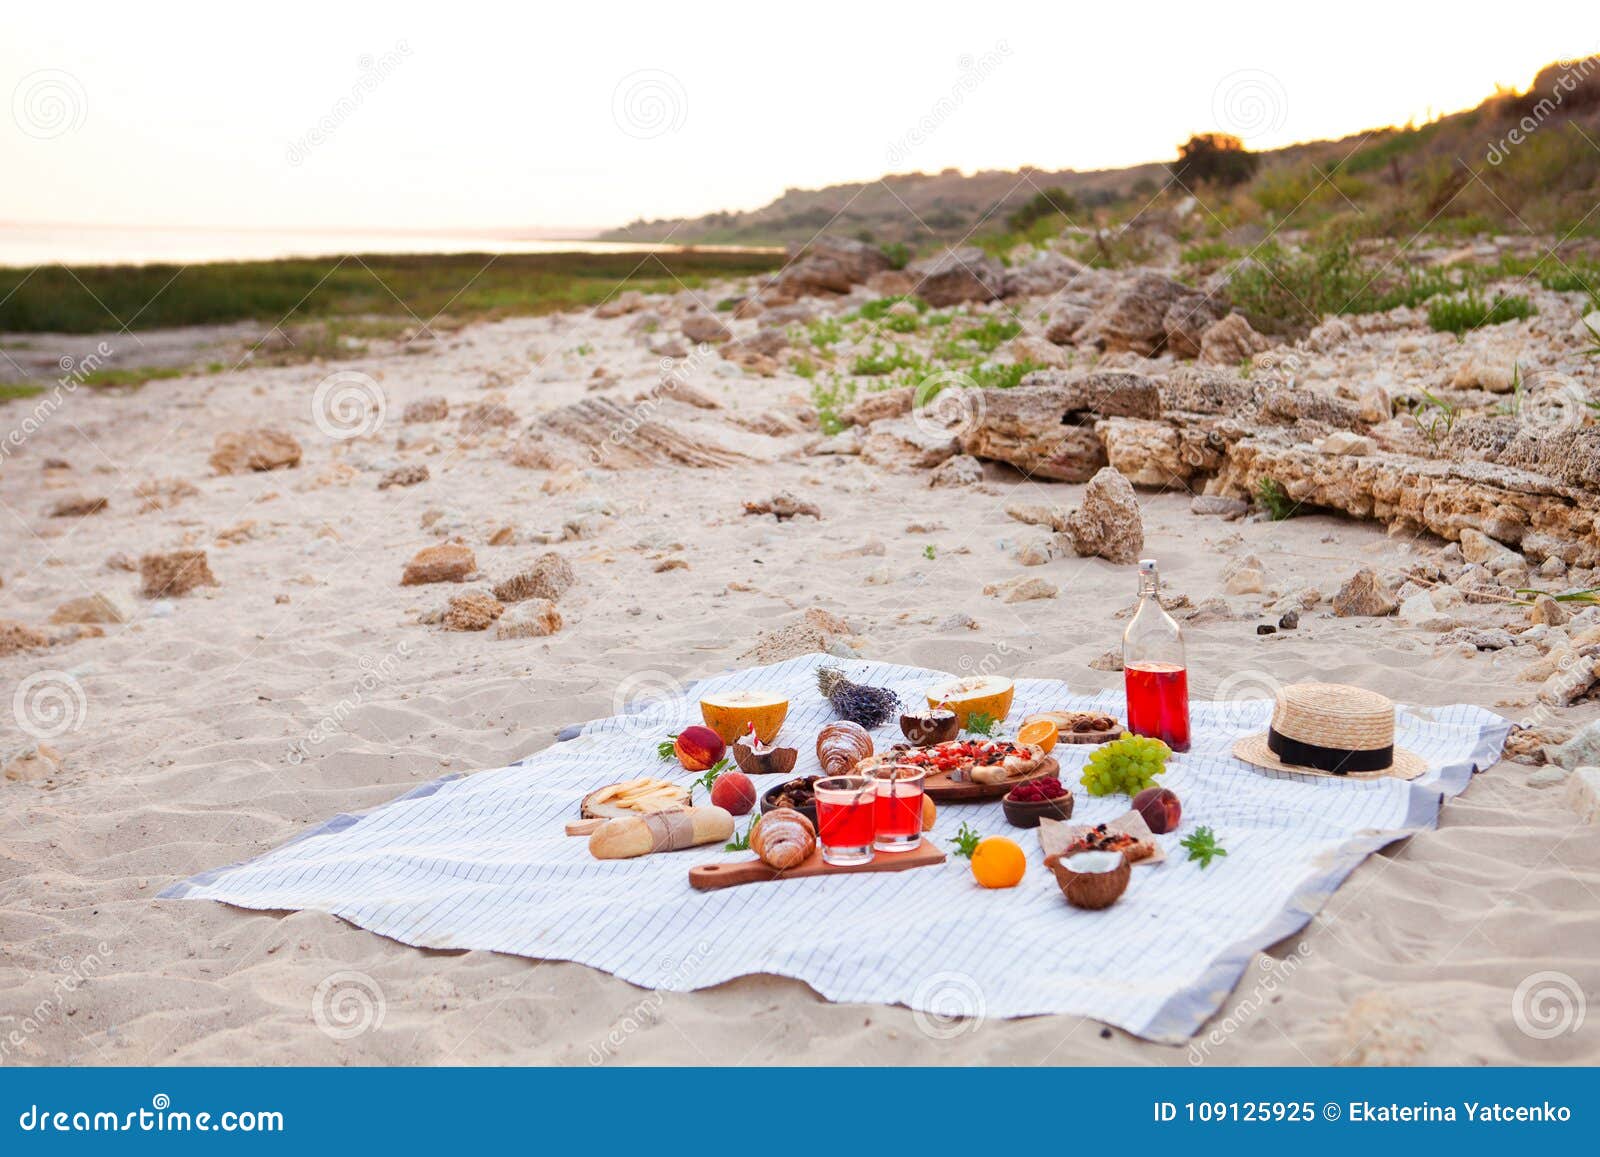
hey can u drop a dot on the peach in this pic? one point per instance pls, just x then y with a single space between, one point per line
734 793
1160 809
698 748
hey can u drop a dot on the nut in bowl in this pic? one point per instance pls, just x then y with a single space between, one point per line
1037 799
1091 880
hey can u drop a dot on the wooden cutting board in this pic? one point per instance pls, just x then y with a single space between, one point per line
942 788
706 877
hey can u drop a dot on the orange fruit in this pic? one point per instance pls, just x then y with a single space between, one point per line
1039 732
998 863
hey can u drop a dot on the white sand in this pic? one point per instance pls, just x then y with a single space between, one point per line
183 760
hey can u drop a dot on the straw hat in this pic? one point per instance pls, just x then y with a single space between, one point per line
1331 729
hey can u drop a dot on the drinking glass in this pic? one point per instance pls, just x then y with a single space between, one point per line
845 818
897 810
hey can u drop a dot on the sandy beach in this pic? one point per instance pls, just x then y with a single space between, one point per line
208 728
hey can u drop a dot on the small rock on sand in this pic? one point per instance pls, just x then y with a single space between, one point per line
1364 593
550 577
78 505
472 611
430 409
1218 506
962 470
449 562
532 619
1108 524
783 507
174 573
404 476
1025 591
1110 661
1548 611
1583 794
15 637
258 448
95 608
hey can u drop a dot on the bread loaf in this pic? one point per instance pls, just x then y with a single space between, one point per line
622 839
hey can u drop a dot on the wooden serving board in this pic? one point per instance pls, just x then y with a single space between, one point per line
943 788
706 877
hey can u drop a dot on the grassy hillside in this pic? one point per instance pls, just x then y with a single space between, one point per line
1518 162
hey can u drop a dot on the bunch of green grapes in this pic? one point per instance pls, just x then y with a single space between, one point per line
1128 765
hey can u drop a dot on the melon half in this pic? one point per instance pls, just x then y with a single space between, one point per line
730 713
974 695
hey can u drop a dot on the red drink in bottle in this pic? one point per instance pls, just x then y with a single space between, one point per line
1154 673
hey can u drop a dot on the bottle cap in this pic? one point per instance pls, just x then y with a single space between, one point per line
1147 566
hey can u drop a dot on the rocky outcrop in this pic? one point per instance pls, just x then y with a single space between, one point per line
1161 454
831 265
258 448
1046 426
601 432
957 275
913 443
1186 322
1108 524
1569 455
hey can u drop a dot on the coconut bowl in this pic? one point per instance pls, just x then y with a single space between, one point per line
1091 880
1027 813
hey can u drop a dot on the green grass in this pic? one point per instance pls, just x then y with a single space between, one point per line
89 299
1205 252
829 397
1470 311
878 362
1275 500
825 332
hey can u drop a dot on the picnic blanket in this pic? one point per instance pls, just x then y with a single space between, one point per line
481 862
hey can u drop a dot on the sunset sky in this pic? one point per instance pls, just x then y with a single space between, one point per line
467 115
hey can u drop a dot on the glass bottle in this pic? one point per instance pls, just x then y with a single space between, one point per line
1154 672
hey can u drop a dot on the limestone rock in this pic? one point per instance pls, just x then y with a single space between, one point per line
704 327
892 283
1108 524
957 275
1048 272
784 506
962 470
908 444
1065 324
1109 661
1582 750
1038 514
550 577
1484 371
1034 552
1231 342
1229 509
1364 593
1244 576
1420 611
78 506
1028 590
404 476
626 302
163 493
1186 322
1030 350
1046 426
95 608
174 573
1583 794
831 265
1135 317
430 409
1346 442
472 611
448 562
599 432
533 619
16 637
1548 611
257 448
486 417
878 404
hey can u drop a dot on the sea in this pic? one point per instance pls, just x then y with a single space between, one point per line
35 245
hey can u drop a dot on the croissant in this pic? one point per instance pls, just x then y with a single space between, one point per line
842 745
783 839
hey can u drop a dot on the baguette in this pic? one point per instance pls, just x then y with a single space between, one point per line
624 838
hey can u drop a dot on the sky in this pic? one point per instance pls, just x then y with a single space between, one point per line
467 115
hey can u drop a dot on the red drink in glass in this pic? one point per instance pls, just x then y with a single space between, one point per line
1158 702
845 820
897 814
